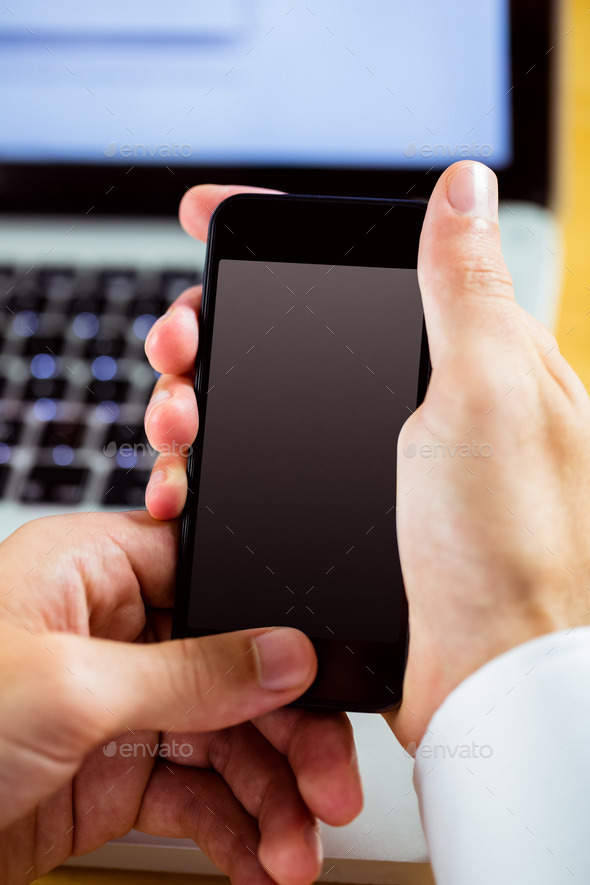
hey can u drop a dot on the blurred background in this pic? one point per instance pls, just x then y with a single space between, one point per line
111 111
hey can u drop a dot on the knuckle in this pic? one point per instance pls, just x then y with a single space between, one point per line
484 272
228 844
197 667
492 278
234 652
239 852
221 749
201 823
213 668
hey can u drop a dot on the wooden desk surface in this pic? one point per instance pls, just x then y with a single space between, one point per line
83 876
413 874
573 332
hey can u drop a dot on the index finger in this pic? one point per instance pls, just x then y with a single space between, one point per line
322 755
200 202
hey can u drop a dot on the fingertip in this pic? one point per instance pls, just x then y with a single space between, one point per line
155 347
198 204
295 859
286 659
171 425
196 207
472 190
340 803
330 780
165 495
172 342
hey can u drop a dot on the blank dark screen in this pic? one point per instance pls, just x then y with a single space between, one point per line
314 368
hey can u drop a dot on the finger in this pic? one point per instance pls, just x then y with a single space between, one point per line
171 417
321 752
171 344
199 203
165 494
141 551
189 803
113 810
150 547
466 288
262 780
189 684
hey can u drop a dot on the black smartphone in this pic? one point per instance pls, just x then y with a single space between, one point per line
312 354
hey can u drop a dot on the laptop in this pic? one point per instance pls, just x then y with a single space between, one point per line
111 112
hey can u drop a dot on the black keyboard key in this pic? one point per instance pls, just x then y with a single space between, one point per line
127 444
174 283
89 302
151 306
10 431
4 475
57 485
6 281
123 434
63 433
126 487
51 344
105 345
56 282
118 284
106 390
38 388
119 435
25 299
149 285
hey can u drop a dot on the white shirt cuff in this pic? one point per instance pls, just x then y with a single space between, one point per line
503 771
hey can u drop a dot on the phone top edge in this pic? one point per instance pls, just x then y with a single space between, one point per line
254 196
304 228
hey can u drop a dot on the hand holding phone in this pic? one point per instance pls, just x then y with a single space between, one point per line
312 353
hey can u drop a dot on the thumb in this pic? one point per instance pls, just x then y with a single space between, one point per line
466 288
196 685
65 694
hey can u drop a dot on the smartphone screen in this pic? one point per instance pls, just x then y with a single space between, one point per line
312 370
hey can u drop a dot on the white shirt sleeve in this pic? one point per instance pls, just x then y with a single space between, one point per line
503 771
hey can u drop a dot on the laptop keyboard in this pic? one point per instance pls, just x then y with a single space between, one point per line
74 382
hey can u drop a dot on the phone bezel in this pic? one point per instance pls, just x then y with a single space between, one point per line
322 230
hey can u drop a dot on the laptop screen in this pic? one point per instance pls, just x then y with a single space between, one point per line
335 84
